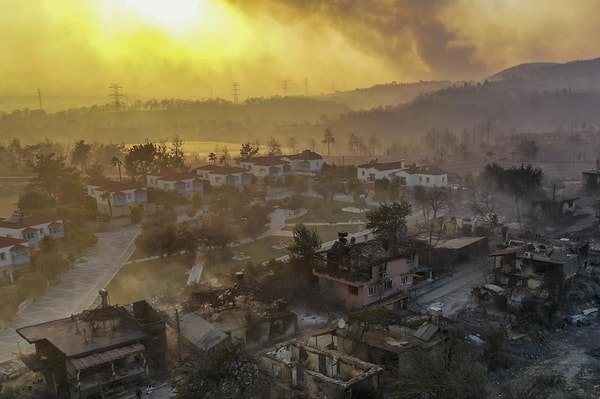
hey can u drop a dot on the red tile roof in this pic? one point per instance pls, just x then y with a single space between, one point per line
9 242
208 167
228 170
114 186
28 221
269 161
306 155
383 166
175 176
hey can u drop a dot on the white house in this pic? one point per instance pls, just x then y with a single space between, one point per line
410 176
117 198
31 228
267 166
186 184
306 161
14 257
224 175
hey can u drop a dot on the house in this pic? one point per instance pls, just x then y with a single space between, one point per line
31 228
590 180
306 161
103 352
267 167
409 176
536 268
117 198
298 368
554 208
219 176
363 273
14 257
185 184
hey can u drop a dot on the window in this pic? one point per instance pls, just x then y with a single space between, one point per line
420 179
402 180
129 196
427 179
371 177
187 185
352 290
363 173
373 289
2 256
393 174
443 179
405 279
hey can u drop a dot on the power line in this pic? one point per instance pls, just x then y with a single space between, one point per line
40 99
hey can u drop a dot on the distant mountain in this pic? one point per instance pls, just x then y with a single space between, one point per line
575 75
383 95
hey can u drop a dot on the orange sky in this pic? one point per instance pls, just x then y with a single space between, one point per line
198 48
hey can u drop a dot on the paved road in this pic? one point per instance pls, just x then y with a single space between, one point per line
77 289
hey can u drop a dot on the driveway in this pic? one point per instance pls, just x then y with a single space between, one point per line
77 289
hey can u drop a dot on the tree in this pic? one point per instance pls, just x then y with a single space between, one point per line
33 199
248 150
274 146
141 158
526 150
305 242
83 237
95 172
136 214
116 162
61 182
328 138
483 205
159 235
216 232
80 154
291 143
389 222
106 196
213 157
437 200
312 143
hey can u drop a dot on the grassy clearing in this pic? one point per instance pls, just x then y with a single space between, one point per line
144 280
325 212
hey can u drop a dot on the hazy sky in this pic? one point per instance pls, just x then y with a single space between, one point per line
195 48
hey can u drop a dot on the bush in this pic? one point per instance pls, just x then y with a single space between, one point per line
136 215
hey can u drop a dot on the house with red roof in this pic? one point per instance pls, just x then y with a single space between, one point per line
117 198
267 166
186 184
410 176
219 176
31 228
306 161
14 257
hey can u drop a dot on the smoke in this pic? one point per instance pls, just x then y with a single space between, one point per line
79 47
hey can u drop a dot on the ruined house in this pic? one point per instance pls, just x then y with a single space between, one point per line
313 372
537 269
102 352
363 273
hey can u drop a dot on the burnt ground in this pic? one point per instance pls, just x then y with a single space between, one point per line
540 359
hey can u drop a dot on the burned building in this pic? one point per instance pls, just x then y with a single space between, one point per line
102 352
537 269
313 372
363 273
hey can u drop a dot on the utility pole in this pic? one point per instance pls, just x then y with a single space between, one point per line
40 99
285 88
115 95
235 90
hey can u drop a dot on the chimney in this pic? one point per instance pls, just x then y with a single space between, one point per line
402 163
343 236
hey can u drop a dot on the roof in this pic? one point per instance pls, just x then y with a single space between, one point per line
115 186
177 176
425 170
10 242
426 331
268 161
73 337
357 256
200 332
383 166
306 155
28 221
208 167
508 251
110 355
460 242
228 170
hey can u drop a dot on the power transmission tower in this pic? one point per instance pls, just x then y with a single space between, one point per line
40 99
235 90
285 88
115 95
